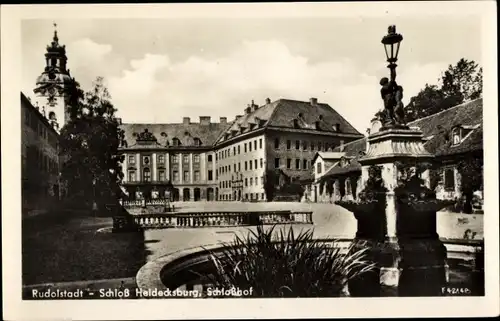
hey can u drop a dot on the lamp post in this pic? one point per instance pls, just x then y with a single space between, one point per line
391 42
392 94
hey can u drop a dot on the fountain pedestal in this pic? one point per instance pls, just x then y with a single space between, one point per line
398 221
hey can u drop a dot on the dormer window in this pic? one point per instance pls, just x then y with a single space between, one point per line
197 142
317 125
176 141
296 123
456 136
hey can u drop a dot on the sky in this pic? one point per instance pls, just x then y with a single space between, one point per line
160 70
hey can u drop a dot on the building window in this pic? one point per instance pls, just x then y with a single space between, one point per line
131 159
185 158
186 176
297 163
288 144
238 149
145 160
245 148
260 143
131 176
255 144
304 164
250 164
175 159
234 150
176 141
197 142
326 147
246 165
277 143
210 175
318 170
251 181
276 163
297 144
449 179
456 136
250 146
255 164
209 158
196 158
246 181
239 167
146 175
288 163
312 146
234 167
319 146
261 163
304 145
161 159
161 175
196 176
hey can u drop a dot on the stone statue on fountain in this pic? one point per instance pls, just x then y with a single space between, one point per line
393 115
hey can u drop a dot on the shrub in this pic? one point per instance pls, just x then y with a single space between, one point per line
287 266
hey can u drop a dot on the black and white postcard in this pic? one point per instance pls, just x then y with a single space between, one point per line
250 160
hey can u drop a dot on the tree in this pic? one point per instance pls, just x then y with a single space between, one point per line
270 182
463 81
459 83
471 173
89 146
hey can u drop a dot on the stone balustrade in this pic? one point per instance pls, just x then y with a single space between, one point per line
220 219
144 202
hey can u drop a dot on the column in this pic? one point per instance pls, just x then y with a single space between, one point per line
181 171
167 166
389 175
138 162
191 171
153 170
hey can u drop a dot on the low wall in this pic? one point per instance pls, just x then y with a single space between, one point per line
220 219
460 226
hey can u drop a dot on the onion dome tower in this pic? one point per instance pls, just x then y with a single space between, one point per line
54 82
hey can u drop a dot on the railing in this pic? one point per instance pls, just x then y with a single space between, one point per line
220 219
143 202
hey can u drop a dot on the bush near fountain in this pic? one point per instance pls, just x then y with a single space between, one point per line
289 266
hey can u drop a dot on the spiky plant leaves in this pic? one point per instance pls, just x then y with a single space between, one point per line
286 264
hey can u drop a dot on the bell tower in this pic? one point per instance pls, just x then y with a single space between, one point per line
55 82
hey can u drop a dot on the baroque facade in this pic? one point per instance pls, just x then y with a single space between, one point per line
227 161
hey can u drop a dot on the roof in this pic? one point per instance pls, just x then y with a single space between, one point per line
352 166
328 155
186 133
437 129
293 114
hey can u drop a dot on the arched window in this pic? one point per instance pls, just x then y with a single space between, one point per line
146 177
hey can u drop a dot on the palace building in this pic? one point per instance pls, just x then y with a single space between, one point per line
39 159
227 161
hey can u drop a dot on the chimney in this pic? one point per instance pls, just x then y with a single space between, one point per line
313 101
186 120
254 106
223 120
204 120
268 101
341 147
